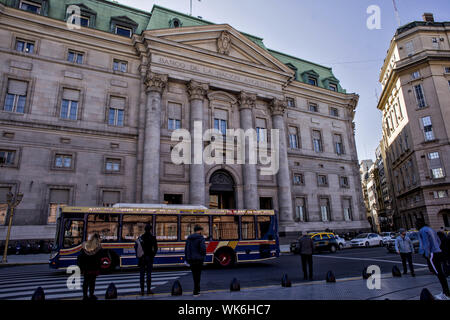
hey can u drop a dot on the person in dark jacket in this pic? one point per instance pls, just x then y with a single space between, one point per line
150 247
89 262
306 249
195 252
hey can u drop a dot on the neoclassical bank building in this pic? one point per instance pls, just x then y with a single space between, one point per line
92 90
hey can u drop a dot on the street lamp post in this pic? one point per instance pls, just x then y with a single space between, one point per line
12 201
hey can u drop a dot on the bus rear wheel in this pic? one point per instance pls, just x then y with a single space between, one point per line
225 258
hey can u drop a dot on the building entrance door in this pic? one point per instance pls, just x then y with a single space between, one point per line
222 191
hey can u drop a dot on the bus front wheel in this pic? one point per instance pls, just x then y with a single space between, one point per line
225 258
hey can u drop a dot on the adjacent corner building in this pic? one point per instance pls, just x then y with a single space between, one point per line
415 104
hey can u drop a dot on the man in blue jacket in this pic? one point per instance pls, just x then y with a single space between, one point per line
430 248
195 252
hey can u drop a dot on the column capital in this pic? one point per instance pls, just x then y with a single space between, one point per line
197 90
278 107
155 82
247 100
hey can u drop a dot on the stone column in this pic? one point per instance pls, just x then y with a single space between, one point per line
155 84
197 191
277 109
249 172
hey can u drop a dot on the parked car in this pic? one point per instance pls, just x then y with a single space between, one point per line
340 241
323 241
414 236
367 240
387 236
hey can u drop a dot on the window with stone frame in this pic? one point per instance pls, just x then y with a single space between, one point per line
30 6
435 165
58 198
86 17
293 138
113 165
75 56
317 141
427 128
300 210
120 65
116 111
347 207
174 116
313 107
324 204
3 204
298 179
334 112
221 121
7 157
63 161
70 104
261 130
110 197
290 102
338 144
16 96
420 97
343 182
322 180
25 46
123 26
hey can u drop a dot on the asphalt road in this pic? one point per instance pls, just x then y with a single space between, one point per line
346 263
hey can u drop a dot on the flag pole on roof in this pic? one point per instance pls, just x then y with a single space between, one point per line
190 12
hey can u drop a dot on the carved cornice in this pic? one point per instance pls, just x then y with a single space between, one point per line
247 100
156 82
197 90
278 107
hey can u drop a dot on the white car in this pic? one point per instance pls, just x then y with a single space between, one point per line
387 236
367 240
340 241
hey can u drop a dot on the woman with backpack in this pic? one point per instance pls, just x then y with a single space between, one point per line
89 262
146 247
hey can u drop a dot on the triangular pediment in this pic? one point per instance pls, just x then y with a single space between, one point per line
223 41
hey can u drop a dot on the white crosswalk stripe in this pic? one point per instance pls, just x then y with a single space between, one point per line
21 286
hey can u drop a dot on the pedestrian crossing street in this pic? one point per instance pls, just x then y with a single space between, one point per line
21 286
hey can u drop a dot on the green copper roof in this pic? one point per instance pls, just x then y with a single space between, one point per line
162 18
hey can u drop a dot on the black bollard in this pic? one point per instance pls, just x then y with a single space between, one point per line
285 281
396 272
177 290
111 292
426 295
38 294
235 285
330 277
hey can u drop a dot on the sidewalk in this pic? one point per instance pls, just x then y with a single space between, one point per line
26 259
404 288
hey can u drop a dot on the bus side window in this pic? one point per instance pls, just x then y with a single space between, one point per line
134 225
189 222
248 227
106 225
73 233
263 223
225 228
167 228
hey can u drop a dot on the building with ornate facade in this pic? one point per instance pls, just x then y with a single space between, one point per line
86 116
416 122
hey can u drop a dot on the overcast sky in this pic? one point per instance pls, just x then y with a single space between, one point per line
329 32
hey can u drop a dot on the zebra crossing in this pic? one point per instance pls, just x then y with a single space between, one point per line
21 285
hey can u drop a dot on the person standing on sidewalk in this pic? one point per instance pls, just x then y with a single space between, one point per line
89 262
195 252
405 248
306 248
430 248
146 247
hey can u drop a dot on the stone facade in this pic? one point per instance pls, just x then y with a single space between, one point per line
416 122
94 133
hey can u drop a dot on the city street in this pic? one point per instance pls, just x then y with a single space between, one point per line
19 282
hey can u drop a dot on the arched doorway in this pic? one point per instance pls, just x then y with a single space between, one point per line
445 217
222 191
